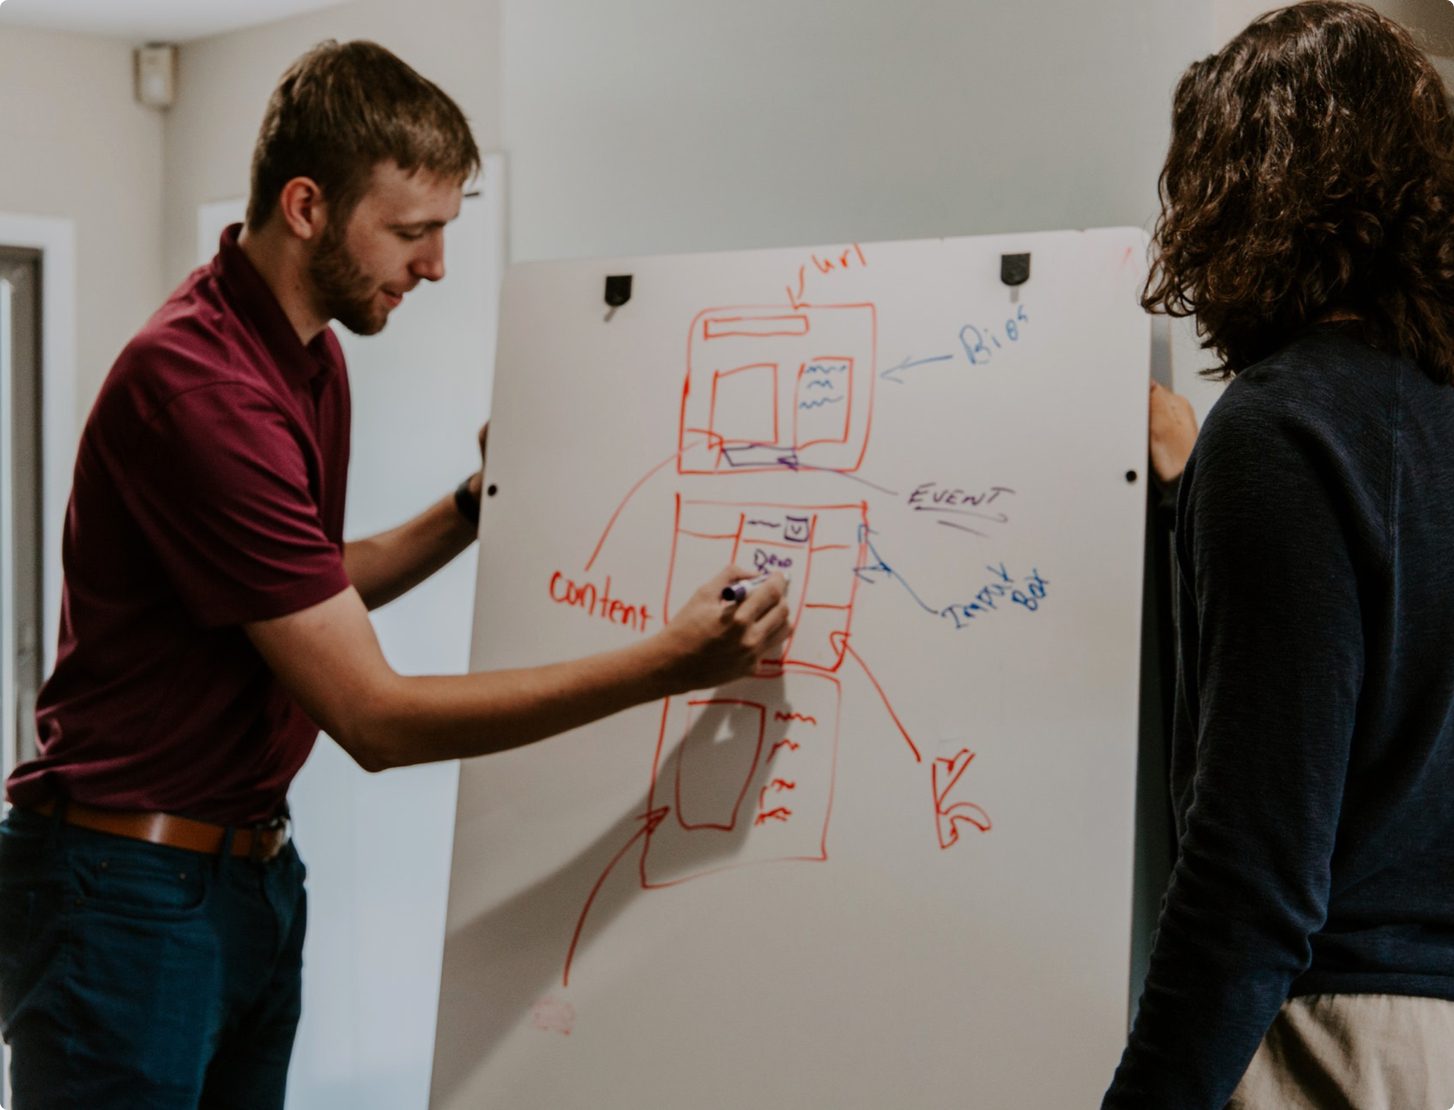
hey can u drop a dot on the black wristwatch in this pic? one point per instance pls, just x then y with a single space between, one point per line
467 503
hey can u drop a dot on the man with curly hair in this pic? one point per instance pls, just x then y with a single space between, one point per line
1305 953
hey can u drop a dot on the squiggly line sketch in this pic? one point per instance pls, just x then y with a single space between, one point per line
781 716
949 810
675 456
909 740
648 821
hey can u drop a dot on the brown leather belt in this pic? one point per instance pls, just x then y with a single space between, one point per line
260 843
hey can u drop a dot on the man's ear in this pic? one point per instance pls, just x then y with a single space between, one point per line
302 208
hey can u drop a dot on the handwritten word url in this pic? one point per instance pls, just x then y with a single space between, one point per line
845 260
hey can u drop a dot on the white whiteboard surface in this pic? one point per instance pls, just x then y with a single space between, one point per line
895 868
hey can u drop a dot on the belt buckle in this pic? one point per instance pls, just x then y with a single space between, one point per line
269 840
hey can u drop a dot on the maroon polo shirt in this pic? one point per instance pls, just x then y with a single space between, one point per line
208 492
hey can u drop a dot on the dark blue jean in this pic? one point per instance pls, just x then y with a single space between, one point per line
135 975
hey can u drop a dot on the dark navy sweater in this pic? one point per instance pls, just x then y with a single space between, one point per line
1313 751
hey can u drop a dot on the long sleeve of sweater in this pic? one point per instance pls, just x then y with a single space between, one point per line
1282 527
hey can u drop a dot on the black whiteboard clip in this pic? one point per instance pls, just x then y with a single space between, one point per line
1014 272
618 292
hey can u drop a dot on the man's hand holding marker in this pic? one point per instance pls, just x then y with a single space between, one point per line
738 591
727 626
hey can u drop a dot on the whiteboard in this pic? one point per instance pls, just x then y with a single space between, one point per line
893 868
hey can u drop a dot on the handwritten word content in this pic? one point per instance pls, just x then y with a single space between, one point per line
597 602
1002 592
982 343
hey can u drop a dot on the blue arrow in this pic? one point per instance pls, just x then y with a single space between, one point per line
908 364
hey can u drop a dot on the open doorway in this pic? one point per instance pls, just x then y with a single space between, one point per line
20 501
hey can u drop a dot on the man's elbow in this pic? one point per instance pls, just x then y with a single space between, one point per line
370 736
372 759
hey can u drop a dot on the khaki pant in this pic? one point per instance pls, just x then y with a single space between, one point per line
1353 1052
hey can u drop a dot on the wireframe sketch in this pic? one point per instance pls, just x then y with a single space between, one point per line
772 388
744 775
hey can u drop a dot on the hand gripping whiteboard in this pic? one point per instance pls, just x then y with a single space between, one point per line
893 869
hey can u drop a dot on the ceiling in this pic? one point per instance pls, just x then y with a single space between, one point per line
143 21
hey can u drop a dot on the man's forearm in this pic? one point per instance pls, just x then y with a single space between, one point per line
425 719
384 566
328 657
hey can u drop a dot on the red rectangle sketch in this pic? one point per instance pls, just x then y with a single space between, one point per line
744 405
743 776
818 413
818 547
721 326
722 746
823 402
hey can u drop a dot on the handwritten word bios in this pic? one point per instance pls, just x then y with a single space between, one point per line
597 602
981 343
1003 592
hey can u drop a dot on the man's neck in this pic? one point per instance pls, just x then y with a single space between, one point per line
282 261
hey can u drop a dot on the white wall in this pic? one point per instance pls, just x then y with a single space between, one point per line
80 179
224 82
683 125
665 125
75 145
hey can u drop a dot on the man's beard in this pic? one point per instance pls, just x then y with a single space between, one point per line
344 292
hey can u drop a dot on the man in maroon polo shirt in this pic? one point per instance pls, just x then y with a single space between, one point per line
151 905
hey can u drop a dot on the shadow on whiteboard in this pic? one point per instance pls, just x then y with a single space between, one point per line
711 800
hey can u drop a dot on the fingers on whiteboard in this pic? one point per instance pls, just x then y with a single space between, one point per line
726 577
763 598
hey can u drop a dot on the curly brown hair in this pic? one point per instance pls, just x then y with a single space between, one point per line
1310 176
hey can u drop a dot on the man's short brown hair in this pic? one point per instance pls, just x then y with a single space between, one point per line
342 109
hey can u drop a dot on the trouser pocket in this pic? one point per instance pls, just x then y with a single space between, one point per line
32 887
